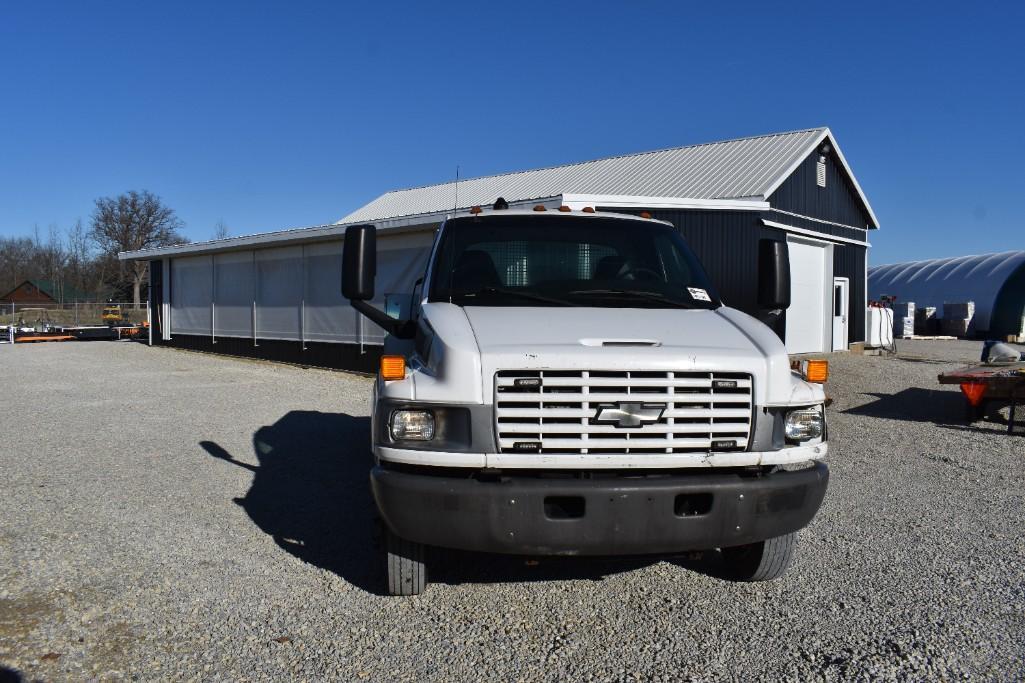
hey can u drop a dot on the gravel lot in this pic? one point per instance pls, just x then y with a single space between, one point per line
172 515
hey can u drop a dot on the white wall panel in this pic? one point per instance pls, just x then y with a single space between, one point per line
191 294
233 294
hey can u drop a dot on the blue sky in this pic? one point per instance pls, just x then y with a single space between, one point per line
273 115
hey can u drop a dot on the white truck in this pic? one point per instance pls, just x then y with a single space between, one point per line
569 383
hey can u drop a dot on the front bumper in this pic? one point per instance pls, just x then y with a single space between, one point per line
600 516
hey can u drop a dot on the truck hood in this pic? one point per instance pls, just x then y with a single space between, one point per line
473 343
618 332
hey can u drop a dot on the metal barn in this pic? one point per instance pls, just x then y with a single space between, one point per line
277 295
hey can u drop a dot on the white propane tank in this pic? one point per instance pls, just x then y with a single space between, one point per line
879 327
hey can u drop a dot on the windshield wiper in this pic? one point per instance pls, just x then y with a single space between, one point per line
521 294
640 294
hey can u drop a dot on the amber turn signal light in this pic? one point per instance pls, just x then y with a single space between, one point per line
393 367
816 371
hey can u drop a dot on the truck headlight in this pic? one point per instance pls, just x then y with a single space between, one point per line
805 424
412 425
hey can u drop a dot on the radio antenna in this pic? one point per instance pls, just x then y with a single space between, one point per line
456 205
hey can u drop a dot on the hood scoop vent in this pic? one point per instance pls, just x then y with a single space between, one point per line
621 342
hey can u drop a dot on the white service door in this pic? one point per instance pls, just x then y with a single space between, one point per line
841 312
806 317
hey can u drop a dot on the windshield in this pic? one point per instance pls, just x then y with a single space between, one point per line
567 261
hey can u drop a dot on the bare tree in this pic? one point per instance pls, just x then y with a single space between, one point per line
221 230
55 261
133 221
80 262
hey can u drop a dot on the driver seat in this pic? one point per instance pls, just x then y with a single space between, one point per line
474 270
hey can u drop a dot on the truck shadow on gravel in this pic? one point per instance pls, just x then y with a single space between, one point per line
311 494
10 675
915 405
311 491
946 409
456 567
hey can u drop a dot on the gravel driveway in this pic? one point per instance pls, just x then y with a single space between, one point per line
167 515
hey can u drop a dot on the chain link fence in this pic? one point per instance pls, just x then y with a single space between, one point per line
72 314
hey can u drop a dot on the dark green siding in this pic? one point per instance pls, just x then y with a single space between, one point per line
838 201
849 261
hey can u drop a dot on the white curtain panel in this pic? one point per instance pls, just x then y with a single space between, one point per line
191 294
233 294
279 291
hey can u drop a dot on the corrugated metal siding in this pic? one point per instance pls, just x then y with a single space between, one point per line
720 170
849 261
837 201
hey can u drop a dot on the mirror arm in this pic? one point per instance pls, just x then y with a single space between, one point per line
403 329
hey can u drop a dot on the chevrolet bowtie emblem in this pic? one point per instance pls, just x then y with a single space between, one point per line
627 415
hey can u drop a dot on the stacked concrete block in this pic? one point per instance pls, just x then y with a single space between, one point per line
965 310
926 322
1020 337
904 319
957 318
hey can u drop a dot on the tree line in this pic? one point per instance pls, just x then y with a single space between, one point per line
81 261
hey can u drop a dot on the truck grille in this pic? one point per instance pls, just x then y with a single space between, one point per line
591 411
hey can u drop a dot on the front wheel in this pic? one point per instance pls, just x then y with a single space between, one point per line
407 570
762 561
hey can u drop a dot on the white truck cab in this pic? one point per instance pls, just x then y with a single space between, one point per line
569 383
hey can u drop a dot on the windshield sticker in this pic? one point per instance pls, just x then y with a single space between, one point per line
698 294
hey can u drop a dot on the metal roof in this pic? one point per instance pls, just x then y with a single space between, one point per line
747 168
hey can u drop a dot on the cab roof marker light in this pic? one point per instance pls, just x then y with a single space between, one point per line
645 214
588 209
539 207
564 208
475 210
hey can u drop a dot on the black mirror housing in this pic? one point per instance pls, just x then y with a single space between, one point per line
359 268
773 275
359 262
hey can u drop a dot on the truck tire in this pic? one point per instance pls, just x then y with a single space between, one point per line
407 571
762 561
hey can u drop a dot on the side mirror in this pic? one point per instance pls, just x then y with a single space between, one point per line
773 275
359 262
359 268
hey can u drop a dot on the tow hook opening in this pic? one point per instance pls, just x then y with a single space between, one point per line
692 504
564 507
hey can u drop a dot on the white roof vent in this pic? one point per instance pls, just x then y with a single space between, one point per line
820 172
